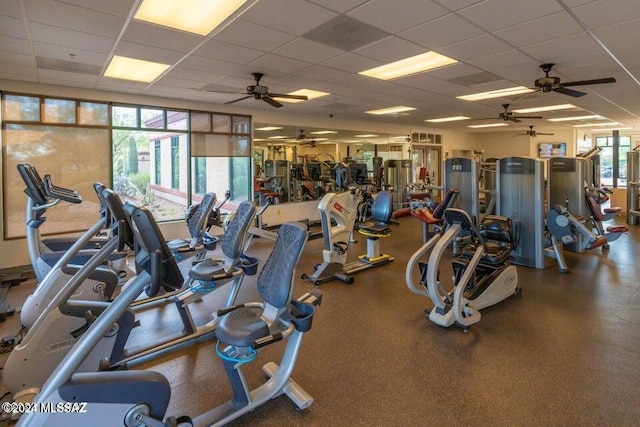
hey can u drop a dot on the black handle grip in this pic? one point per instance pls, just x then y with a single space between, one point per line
63 194
269 339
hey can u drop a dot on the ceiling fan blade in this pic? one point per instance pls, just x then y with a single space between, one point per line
284 95
570 92
239 99
527 117
543 133
514 119
589 82
271 101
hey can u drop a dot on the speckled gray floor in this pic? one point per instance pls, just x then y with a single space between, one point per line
567 352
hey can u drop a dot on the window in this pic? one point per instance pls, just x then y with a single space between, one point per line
75 155
613 159
175 163
157 162
200 174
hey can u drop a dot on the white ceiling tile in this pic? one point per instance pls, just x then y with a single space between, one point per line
75 18
574 3
390 49
9 68
351 62
548 27
317 72
493 15
560 46
496 63
147 53
607 12
437 33
115 7
14 45
475 48
182 73
619 33
308 50
253 36
406 15
278 63
117 85
18 59
69 38
153 35
17 74
12 27
340 6
11 8
454 5
178 83
454 71
64 53
276 14
65 76
227 52
212 66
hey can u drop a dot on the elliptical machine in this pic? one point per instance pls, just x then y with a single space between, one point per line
483 275
141 398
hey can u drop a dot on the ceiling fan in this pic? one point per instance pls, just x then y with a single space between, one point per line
553 84
509 116
532 133
301 137
262 92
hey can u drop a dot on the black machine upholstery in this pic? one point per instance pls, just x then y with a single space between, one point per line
232 243
196 218
496 234
241 327
149 243
381 212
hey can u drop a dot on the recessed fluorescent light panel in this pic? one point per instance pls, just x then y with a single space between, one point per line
499 93
598 125
310 94
492 125
365 135
448 119
323 132
279 137
567 119
194 16
137 70
413 65
390 110
546 108
268 128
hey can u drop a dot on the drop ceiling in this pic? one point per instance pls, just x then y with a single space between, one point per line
498 44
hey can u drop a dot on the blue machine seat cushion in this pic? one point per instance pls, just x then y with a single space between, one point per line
242 327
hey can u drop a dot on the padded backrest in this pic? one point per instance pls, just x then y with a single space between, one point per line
232 241
120 225
446 203
458 216
275 282
149 239
197 218
382 207
497 228
422 175
594 207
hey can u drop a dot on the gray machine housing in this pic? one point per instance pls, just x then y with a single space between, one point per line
520 196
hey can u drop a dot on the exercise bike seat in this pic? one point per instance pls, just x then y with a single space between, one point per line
496 234
381 212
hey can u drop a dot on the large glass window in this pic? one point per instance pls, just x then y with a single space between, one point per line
146 154
74 155
175 163
613 159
